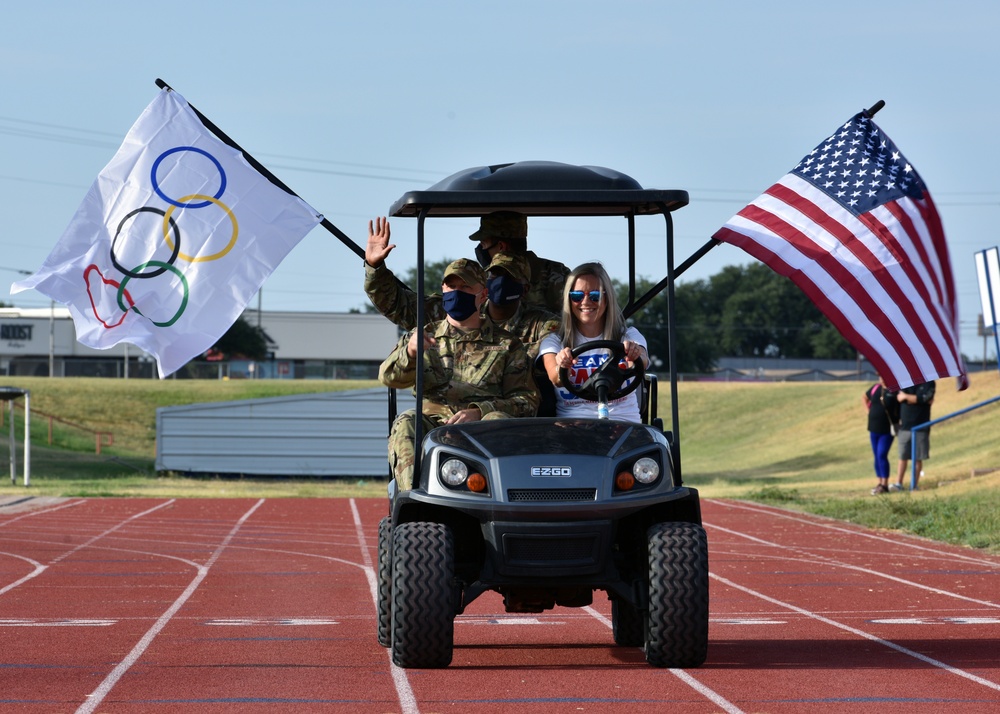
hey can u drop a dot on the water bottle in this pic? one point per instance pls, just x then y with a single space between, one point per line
602 411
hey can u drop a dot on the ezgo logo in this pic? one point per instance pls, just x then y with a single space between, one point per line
561 471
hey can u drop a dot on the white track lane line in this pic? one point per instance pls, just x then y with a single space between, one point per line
39 569
819 522
710 694
109 531
42 512
860 633
827 560
95 698
407 700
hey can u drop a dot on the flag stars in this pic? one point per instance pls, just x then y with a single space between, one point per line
859 167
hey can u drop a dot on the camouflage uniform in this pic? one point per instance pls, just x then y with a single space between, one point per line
398 303
548 279
485 368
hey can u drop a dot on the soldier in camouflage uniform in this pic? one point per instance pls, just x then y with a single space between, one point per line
472 369
508 281
507 231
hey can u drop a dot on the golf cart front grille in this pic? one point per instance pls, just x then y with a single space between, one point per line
525 550
521 495
550 548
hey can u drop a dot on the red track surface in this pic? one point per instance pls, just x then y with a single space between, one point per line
125 605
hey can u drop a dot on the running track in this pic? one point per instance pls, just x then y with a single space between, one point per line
127 605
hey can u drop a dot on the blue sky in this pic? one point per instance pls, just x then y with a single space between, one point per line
352 104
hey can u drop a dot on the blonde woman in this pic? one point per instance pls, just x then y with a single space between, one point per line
590 312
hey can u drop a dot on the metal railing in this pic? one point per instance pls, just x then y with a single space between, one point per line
928 425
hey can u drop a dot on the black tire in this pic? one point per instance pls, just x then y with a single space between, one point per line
384 581
677 621
423 608
627 623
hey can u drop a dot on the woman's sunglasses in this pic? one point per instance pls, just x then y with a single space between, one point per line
577 295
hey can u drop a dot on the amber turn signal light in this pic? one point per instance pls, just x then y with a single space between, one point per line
476 482
624 481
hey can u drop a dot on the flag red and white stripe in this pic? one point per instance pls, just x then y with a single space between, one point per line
859 234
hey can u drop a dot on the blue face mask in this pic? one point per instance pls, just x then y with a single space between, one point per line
504 289
459 305
483 256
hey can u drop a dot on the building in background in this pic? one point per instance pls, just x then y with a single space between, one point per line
301 345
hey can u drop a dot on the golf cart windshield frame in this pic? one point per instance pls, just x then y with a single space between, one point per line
538 188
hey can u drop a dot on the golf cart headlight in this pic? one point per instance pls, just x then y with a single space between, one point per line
646 470
454 472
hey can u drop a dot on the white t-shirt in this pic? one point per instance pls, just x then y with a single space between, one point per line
626 408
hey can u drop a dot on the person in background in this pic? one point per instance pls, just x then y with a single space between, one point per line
590 312
883 423
472 369
507 231
914 409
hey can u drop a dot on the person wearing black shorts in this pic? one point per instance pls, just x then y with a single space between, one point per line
914 409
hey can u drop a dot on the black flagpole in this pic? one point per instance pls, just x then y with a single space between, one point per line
873 110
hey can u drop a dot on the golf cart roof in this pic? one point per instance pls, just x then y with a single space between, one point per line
538 188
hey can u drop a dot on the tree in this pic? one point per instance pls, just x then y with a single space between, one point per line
740 311
697 349
764 314
241 340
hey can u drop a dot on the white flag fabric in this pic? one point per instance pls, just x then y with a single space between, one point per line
854 226
172 241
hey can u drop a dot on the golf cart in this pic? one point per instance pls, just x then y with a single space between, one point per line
545 511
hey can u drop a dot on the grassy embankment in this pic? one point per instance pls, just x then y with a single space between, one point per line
800 445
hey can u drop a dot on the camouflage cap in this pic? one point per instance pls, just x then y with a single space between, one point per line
514 264
502 225
468 270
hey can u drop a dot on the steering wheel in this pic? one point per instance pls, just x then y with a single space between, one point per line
608 378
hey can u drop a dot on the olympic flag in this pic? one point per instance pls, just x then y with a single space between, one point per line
172 241
854 226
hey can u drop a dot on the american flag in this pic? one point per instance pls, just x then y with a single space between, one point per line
854 226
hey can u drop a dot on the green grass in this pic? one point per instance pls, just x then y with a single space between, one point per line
802 446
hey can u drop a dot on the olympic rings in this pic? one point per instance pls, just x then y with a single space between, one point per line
165 266
167 222
174 242
106 281
180 203
201 258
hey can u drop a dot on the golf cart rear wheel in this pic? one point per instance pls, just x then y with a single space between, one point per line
423 608
627 623
677 621
384 581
